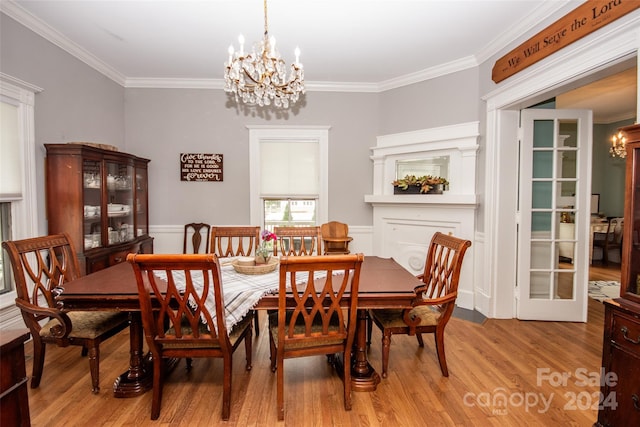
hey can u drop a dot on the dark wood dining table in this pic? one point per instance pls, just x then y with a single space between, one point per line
383 284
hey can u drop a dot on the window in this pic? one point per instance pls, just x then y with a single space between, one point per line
288 176
5 234
18 212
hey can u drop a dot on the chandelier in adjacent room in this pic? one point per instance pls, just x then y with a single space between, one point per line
618 146
260 77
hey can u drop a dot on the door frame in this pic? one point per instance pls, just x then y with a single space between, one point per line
604 52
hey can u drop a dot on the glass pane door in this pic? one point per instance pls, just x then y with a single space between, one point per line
120 203
554 214
92 195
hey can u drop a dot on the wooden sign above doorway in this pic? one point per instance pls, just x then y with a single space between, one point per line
583 20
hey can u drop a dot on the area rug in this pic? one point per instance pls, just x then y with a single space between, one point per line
601 290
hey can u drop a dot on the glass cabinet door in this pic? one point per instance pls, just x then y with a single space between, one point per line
633 279
92 196
119 203
142 216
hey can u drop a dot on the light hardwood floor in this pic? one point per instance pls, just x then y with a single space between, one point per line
502 373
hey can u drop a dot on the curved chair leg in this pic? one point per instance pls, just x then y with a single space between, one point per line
369 327
439 338
420 341
38 361
386 346
94 366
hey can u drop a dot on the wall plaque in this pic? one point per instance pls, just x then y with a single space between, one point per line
200 167
581 21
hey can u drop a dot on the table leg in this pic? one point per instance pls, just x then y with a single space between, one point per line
363 376
139 378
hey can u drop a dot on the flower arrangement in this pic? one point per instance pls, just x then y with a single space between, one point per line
265 249
425 183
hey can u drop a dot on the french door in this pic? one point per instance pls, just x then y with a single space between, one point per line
554 214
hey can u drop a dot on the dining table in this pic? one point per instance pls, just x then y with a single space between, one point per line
384 283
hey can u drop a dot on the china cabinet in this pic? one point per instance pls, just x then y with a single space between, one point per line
100 197
620 386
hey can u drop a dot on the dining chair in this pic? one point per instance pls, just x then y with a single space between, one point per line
434 301
295 241
230 241
195 231
41 266
311 319
179 321
335 238
612 240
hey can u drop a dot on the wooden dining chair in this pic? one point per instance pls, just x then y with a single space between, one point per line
179 321
41 266
434 301
295 241
230 241
612 240
195 233
335 238
311 319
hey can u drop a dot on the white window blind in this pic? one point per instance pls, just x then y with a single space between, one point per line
289 168
10 159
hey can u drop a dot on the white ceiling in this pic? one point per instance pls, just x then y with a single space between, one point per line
359 45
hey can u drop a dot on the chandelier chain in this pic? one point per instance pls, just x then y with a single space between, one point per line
260 77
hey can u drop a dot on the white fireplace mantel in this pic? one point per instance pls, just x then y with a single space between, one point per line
404 224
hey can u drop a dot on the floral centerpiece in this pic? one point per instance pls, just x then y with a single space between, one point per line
265 249
421 184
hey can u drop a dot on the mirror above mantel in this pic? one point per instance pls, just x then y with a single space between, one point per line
448 151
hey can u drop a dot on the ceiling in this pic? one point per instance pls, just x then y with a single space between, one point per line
347 45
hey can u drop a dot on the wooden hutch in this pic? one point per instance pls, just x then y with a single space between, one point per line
100 198
620 402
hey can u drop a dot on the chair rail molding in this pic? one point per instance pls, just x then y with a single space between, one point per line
404 224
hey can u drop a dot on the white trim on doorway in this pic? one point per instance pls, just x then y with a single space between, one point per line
614 44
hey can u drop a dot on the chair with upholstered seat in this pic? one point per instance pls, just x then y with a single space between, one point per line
230 241
295 241
41 266
311 319
183 316
335 238
434 301
197 233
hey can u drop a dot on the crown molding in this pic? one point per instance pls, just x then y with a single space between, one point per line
429 73
41 28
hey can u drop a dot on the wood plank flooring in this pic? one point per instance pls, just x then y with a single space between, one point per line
502 373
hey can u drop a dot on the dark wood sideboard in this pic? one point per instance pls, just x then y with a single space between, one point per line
14 397
620 390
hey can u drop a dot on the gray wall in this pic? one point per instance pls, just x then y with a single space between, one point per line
161 123
77 103
80 104
608 174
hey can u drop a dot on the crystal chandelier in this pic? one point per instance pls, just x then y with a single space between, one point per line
260 77
618 146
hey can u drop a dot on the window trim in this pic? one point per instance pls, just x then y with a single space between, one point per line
259 134
24 212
